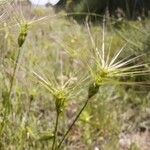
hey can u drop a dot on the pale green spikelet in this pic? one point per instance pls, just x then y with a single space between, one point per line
23 34
60 99
93 90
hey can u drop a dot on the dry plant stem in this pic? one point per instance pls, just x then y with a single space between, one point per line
54 145
73 123
10 91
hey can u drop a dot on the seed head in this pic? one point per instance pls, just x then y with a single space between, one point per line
93 90
60 99
23 34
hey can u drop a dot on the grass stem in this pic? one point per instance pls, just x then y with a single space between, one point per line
8 103
73 123
54 145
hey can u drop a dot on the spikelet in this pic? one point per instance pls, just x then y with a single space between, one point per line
93 90
61 98
23 34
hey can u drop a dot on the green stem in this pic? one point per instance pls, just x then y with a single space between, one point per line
73 123
54 145
23 138
14 74
10 91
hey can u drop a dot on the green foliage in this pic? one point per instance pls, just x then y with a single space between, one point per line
130 8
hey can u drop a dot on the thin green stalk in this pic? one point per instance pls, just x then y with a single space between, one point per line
54 145
73 123
93 90
13 75
23 137
21 39
7 109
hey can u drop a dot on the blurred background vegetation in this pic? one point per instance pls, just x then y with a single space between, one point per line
131 8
